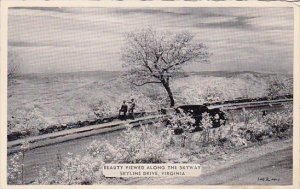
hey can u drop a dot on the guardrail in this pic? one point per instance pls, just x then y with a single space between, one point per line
76 133
72 134
249 104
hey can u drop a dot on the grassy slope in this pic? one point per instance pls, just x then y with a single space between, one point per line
59 98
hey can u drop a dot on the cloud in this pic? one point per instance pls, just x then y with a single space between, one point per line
51 9
240 22
33 44
73 39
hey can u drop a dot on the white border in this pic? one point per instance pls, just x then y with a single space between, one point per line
3 78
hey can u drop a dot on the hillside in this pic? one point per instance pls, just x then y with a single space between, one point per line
40 100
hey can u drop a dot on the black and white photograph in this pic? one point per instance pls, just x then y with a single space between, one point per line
91 88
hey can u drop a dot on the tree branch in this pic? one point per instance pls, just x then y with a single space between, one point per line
145 83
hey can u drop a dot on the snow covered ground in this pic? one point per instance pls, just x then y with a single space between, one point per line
40 100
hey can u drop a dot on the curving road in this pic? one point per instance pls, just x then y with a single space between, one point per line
276 164
269 164
270 169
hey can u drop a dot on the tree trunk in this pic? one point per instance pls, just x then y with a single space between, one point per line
170 94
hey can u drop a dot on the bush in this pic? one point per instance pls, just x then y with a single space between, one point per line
135 146
27 122
74 169
15 169
207 124
181 120
255 131
279 121
14 172
148 145
105 150
235 139
229 135
141 146
255 127
103 110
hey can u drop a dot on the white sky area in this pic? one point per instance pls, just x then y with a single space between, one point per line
51 40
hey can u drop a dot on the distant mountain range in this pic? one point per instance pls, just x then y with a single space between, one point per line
232 73
103 73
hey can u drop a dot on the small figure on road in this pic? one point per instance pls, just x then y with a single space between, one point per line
131 109
123 111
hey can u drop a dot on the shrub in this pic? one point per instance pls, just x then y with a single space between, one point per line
206 123
15 169
105 150
14 172
80 170
45 177
229 135
279 121
134 146
103 110
141 146
75 169
255 131
148 145
27 122
235 139
181 120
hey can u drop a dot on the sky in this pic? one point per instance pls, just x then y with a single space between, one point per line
55 40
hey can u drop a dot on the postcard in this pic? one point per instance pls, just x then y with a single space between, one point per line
136 94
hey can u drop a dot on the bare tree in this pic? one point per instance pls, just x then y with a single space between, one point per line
13 67
155 57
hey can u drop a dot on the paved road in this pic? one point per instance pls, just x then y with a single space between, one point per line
47 156
276 165
249 166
